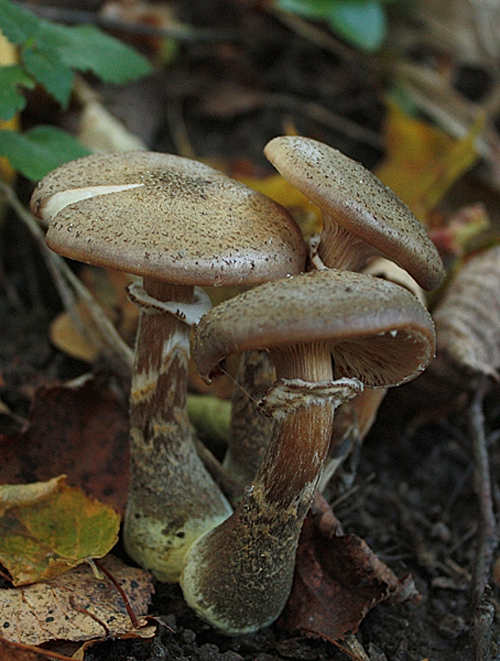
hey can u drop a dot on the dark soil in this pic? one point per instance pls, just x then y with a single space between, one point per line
412 496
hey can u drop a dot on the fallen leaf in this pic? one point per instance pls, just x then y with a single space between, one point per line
76 606
81 432
11 652
67 338
422 162
47 527
467 318
338 579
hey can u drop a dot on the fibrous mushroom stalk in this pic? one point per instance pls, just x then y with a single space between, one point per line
172 499
239 575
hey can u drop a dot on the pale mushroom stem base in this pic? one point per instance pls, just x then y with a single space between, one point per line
172 499
239 575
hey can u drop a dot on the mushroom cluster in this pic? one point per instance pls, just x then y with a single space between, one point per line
238 575
365 227
328 330
180 225
329 333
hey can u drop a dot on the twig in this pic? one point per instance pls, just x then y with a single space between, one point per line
84 611
177 31
483 610
63 275
319 37
487 532
326 117
123 595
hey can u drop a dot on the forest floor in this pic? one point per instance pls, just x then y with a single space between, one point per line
413 496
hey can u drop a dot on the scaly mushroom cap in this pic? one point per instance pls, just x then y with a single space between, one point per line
359 202
378 331
167 218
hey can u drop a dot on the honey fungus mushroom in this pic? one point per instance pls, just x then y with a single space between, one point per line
179 224
238 575
362 218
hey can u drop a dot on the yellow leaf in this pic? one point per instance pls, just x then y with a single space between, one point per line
274 186
8 55
48 527
422 162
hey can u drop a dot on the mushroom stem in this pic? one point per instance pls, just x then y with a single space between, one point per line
250 429
172 499
239 575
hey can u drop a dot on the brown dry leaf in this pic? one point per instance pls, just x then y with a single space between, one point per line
81 432
47 528
76 606
12 652
468 316
338 579
67 338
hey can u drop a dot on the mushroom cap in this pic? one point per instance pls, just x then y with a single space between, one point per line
169 218
358 201
378 331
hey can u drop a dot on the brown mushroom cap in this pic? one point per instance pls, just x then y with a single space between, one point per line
378 331
168 218
359 202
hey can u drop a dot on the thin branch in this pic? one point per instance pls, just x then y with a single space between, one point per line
177 31
63 275
487 531
483 610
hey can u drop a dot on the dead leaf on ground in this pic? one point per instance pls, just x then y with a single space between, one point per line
47 528
422 162
81 432
66 337
12 652
338 579
77 606
468 316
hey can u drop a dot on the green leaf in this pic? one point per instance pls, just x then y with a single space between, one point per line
17 24
40 150
51 51
315 9
86 48
362 22
47 67
47 528
11 99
